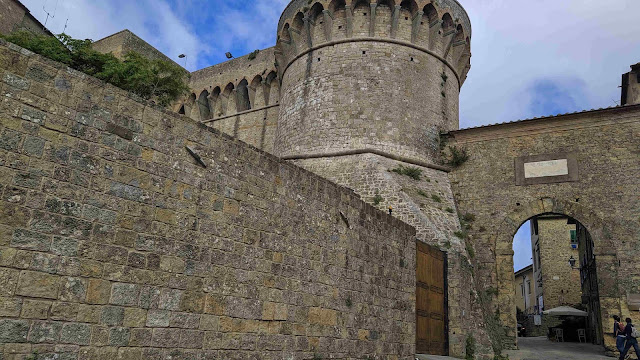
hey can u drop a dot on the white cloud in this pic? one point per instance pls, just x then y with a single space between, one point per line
516 42
154 21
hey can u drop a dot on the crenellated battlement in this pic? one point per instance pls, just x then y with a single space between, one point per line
440 28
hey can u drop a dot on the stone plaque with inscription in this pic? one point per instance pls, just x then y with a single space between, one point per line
546 169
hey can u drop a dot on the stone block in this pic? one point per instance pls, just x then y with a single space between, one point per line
112 316
99 336
119 337
13 331
10 306
135 318
184 320
209 322
45 332
158 318
125 294
77 334
64 311
166 338
149 297
29 240
35 309
98 291
170 299
89 313
38 285
33 146
45 263
141 337
64 246
73 289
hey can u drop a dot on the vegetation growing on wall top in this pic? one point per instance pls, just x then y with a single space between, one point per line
157 80
457 156
410 171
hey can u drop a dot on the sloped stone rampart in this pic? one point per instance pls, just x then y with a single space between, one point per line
116 243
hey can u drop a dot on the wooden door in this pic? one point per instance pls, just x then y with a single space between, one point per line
431 310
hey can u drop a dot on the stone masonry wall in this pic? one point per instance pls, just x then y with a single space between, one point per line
115 243
604 199
560 283
428 205
120 43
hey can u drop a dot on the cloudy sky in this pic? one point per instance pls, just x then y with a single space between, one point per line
530 57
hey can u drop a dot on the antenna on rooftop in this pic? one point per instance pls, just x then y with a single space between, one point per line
65 25
44 7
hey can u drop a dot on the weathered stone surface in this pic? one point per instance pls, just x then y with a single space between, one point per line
35 284
125 294
45 332
13 331
30 240
112 316
143 241
77 334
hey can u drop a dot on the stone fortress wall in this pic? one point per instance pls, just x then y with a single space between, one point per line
238 97
14 16
601 192
116 243
122 42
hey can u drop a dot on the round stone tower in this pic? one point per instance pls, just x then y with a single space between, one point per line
361 75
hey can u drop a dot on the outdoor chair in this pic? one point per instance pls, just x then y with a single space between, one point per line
582 335
559 335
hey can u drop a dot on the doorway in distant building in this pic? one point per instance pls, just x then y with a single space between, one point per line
555 281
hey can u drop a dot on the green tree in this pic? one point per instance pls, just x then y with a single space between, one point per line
157 80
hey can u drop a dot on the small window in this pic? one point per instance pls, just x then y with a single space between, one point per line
529 287
522 289
339 27
364 14
574 236
406 18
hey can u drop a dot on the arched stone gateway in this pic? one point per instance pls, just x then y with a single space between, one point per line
502 242
516 171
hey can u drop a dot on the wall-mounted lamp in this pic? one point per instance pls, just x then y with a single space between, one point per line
228 55
183 56
572 262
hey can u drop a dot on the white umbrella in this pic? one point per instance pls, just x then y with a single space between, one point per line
565 311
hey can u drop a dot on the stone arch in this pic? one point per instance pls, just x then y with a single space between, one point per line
215 101
409 5
361 17
336 5
338 9
226 99
317 24
427 29
242 96
271 88
204 110
257 93
190 104
447 23
430 13
502 242
285 35
384 15
408 11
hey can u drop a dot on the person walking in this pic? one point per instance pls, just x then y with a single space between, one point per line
631 333
618 333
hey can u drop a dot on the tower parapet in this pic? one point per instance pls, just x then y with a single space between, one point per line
370 74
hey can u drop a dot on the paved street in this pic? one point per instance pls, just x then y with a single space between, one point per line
539 348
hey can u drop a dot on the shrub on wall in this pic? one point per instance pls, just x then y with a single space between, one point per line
158 80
